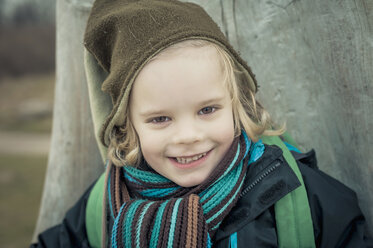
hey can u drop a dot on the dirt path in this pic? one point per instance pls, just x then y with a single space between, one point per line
24 143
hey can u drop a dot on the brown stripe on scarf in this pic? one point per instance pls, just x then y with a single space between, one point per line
118 189
123 188
139 187
192 221
180 226
134 190
114 190
165 227
148 221
230 195
120 228
189 215
116 193
135 221
185 222
220 168
201 228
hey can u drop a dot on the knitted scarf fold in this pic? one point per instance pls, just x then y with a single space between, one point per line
161 213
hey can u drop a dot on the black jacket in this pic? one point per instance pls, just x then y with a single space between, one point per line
337 218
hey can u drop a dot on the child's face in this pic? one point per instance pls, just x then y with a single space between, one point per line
182 114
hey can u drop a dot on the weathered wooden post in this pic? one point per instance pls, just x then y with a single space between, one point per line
74 159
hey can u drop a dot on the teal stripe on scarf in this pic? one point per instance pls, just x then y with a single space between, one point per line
230 181
145 176
115 228
223 208
173 223
139 223
157 224
109 191
209 243
247 142
257 151
232 164
131 178
213 189
158 192
127 224
109 196
233 240
215 200
291 147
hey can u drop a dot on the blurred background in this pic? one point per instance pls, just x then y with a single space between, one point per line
27 78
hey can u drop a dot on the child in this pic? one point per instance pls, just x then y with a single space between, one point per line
193 158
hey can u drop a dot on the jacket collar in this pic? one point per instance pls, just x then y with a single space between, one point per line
267 181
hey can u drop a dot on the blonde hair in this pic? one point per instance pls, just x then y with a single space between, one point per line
248 113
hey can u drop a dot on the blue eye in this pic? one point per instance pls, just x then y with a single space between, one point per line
207 110
160 119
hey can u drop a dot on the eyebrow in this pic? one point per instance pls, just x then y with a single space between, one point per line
151 112
212 100
155 112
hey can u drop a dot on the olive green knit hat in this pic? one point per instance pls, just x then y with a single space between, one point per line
123 35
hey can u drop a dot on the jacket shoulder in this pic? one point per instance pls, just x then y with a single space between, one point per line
336 215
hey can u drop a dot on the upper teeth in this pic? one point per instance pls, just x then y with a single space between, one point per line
190 159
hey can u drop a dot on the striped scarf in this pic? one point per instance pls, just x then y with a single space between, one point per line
161 213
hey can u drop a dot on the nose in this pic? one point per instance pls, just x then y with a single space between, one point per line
187 132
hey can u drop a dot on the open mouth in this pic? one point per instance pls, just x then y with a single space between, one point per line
187 160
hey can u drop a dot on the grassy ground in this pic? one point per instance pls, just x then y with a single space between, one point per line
21 183
25 107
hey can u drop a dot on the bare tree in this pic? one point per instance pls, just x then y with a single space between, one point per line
313 61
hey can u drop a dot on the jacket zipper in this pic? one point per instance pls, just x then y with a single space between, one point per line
260 178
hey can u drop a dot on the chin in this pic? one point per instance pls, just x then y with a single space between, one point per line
189 182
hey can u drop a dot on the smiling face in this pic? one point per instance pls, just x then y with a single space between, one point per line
182 114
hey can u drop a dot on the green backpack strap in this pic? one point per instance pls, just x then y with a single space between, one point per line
286 137
293 214
93 213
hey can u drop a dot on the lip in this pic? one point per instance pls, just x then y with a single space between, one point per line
190 165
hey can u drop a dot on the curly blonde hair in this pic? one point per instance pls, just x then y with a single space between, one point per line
248 113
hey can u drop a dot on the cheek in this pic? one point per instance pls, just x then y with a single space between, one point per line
226 134
149 147
146 138
224 128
